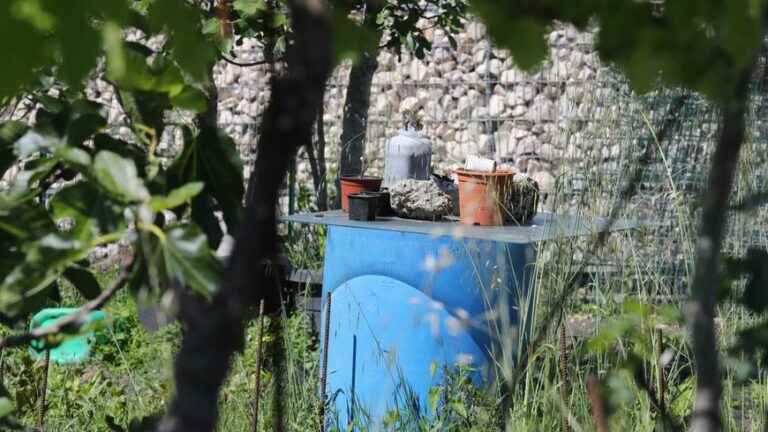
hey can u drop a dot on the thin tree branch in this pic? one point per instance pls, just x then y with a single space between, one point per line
249 64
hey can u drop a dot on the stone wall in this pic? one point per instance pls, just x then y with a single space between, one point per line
472 100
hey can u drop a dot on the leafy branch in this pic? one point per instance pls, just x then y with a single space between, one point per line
71 323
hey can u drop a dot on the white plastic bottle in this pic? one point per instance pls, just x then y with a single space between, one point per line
409 155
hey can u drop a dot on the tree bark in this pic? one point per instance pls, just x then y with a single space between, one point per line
216 328
355 120
714 219
322 166
317 163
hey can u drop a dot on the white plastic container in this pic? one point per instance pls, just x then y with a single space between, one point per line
409 155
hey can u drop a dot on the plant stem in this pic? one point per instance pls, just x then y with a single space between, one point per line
259 350
44 391
324 368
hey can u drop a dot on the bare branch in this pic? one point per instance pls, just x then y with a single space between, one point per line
249 64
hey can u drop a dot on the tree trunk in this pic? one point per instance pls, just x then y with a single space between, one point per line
714 219
355 122
216 328
317 163
322 167
270 42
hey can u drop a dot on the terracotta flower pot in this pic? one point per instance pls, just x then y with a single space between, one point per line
353 185
482 196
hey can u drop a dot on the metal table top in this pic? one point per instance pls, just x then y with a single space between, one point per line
545 226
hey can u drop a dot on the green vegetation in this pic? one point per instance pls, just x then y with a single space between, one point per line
80 188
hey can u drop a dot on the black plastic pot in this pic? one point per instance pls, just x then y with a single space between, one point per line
384 205
362 206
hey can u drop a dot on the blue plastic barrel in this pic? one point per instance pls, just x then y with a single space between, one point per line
406 304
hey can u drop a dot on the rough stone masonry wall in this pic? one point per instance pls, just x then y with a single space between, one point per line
472 100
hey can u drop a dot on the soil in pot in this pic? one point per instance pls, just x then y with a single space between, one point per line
353 185
362 206
482 196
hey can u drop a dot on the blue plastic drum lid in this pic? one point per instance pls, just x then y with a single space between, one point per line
407 304
408 156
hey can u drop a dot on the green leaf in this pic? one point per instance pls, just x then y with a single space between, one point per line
125 149
159 76
83 127
73 156
190 261
350 39
89 208
32 142
212 158
249 7
115 51
203 208
177 197
27 45
182 23
119 177
145 109
23 220
84 281
433 398
10 132
6 406
190 99
25 287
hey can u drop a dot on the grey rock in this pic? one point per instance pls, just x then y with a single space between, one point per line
420 199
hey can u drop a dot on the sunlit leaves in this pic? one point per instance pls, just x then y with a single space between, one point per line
114 50
47 229
119 177
189 260
152 85
182 23
249 7
23 220
129 150
176 197
24 288
89 208
211 157
191 99
39 34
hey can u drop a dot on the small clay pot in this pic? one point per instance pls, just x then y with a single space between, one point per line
352 185
482 196
384 205
362 206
